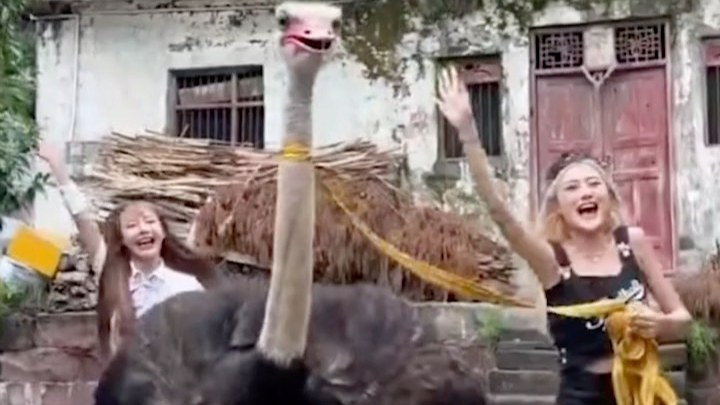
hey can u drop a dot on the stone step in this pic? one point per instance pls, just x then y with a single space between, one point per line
703 396
544 400
538 359
546 383
524 335
522 400
524 345
542 356
525 382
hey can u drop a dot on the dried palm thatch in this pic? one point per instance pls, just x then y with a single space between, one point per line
180 174
700 292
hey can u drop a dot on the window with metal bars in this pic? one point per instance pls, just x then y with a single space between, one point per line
224 105
482 78
712 90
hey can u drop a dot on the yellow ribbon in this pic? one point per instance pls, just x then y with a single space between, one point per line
295 152
427 271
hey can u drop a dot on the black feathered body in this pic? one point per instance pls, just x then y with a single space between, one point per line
365 347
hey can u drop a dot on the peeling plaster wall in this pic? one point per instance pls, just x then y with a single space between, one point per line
698 165
123 78
123 68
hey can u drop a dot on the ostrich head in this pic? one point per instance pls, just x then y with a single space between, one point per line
308 32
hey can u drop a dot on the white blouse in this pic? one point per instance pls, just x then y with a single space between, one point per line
150 288
147 289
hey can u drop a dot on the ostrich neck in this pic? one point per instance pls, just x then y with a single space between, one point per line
298 110
283 337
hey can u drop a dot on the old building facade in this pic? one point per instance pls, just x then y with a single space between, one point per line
638 86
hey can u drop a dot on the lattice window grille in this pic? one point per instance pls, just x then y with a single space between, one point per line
640 43
559 50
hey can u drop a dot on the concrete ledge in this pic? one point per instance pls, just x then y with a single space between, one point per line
45 393
464 320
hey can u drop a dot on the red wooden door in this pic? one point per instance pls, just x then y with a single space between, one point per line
635 140
564 104
619 114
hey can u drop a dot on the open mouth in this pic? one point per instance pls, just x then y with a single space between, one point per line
588 210
146 243
315 45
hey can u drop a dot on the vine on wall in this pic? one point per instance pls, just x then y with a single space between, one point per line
375 28
18 132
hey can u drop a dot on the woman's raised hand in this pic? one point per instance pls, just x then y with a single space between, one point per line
454 103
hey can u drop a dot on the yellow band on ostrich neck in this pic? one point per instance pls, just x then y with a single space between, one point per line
295 152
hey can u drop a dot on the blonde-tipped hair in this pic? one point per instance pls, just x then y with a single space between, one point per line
550 224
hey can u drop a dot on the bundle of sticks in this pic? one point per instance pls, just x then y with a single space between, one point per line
180 175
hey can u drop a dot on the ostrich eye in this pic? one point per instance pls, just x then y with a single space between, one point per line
336 25
283 21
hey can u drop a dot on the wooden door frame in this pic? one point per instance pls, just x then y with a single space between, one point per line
670 139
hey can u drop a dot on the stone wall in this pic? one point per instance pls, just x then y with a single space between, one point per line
48 360
703 382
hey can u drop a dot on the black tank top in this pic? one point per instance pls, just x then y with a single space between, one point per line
582 341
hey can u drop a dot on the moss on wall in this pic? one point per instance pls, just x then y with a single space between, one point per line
375 28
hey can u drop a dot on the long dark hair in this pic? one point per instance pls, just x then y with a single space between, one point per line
114 293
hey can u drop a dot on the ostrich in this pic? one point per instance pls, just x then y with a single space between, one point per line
289 342
274 371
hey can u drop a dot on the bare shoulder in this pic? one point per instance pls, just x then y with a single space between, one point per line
639 241
636 234
643 250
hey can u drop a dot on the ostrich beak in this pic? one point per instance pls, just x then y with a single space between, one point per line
308 42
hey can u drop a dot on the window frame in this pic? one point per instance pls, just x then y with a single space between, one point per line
474 70
711 55
236 104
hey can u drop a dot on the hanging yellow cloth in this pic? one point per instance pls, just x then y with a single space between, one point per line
636 374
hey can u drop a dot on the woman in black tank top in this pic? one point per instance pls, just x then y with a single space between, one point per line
582 251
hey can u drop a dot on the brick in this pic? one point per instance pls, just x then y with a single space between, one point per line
54 394
76 330
83 393
17 332
12 393
46 393
49 364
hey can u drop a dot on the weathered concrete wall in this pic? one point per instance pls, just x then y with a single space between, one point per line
123 62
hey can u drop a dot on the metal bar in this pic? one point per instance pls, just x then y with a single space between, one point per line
486 135
239 104
234 110
716 99
205 114
173 128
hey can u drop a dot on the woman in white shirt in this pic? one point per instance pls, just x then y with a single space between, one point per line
140 263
